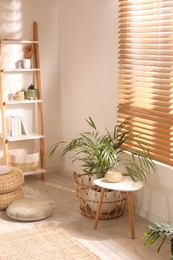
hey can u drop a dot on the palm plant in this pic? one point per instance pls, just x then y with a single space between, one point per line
160 230
99 153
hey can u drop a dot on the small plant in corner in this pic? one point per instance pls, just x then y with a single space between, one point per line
160 230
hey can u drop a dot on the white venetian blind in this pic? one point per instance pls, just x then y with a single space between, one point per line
146 73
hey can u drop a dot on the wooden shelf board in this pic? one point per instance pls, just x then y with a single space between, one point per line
26 101
13 70
17 41
39 171
30 136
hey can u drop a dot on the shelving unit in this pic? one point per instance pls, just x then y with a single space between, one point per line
5 104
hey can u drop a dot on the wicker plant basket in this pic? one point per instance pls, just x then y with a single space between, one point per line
113 208
11 181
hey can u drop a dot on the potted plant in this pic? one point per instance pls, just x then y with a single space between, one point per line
99 153
160 230
31 92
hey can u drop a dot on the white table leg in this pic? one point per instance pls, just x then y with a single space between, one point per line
131 217
99 208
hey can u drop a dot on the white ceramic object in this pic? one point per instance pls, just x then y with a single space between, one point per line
94 197
19 64
27 63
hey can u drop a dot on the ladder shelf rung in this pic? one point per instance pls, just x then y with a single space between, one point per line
19 70
17 41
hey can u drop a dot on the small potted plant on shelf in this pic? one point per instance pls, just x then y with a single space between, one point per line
32 92
99 153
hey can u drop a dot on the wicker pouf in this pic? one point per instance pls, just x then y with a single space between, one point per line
29 209
112 208
7 198
11 181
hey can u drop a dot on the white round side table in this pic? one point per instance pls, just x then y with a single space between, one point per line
126 184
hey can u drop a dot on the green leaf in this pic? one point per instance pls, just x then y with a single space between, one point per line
158 231
91 122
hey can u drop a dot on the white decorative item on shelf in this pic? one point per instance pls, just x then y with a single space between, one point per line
113 176
27 63
23 160
19 64
10 96
27 56
20 95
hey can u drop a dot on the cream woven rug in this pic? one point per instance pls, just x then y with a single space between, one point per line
47 242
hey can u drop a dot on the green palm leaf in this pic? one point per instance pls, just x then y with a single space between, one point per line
160 230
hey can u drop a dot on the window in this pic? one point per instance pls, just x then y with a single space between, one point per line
146 73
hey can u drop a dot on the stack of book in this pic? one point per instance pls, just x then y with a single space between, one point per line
16 126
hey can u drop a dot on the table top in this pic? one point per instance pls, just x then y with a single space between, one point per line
126 184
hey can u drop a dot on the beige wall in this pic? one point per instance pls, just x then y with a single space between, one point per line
78 40
88 80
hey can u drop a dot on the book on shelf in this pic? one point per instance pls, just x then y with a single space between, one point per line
23 127
16 126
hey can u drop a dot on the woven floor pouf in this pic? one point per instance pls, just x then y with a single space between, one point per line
29 209
10 181
7 198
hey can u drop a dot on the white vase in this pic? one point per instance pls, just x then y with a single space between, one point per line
27 63
108 200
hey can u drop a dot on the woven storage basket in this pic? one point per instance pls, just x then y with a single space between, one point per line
8 198
25 162
11 181
114 208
